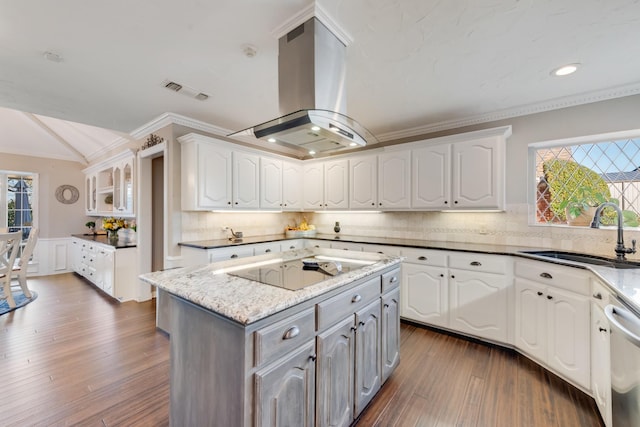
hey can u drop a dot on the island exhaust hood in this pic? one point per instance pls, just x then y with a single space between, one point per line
312 95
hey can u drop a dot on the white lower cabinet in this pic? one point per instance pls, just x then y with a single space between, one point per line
390 332
425 294
552 324
479 304
112 270
600 357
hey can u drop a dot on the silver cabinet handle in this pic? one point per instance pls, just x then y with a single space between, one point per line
422 258
475 263
356 298
292 332
612 311
546 276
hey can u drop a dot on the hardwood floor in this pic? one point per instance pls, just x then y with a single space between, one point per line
75 357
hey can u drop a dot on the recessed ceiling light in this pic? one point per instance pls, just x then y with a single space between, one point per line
565 70
315 128
271 140
353 144
312 152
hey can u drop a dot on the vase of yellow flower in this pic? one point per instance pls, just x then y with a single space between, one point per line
111 225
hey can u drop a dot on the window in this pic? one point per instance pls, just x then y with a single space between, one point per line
18 192
573 177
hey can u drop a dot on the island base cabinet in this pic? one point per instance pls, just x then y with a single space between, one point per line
367 362
285 391
334 398
390 339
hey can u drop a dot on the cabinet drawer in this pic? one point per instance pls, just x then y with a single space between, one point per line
278 339
478 262
425 256
338 307
390 280
569 278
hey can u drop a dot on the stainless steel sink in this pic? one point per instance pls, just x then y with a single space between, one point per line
587 259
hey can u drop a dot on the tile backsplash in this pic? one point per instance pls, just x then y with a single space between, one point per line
505 228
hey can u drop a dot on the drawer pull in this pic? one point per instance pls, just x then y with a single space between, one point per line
268 250
234 256
292 332
597 295
292 247
361 323
394 279
546 276
356 298
386 306
539 293
422 258
549 297
475 263
313 357
601 329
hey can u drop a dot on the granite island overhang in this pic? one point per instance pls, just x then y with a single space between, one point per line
246 301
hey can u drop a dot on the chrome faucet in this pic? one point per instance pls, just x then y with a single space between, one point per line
620 249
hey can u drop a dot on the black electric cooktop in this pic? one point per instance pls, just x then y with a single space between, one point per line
298 273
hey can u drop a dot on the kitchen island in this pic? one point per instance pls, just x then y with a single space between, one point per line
247 353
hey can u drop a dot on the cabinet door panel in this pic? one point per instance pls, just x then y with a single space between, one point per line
600 362
364 182
270 183
367 367
214 177
479 304
313 186
390 332
568 339
424 296
285 389
394 180
477 177
336 352
336 175
531 315
431 177
291 186
246 180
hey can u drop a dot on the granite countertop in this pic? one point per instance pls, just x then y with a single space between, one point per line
246 301
102 238
624 283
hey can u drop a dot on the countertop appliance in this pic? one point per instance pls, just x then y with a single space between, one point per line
298 273
625 364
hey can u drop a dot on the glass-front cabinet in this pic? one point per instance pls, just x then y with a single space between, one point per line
110 186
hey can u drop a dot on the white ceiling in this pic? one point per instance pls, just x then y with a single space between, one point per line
413 65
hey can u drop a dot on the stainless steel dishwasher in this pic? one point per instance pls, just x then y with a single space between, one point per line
625 364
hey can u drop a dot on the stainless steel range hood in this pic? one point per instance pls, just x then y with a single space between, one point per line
312 95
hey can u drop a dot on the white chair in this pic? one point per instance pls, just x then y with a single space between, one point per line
21 264
9 246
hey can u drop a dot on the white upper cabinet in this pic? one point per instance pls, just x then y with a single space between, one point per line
326 185
469 174
363 185
394 180
291 186
478 174
270 183
206 176
110 186
431 177
246 180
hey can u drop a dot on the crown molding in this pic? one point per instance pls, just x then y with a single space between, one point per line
167 119
555 104
104 150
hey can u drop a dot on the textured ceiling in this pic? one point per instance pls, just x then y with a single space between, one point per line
413 65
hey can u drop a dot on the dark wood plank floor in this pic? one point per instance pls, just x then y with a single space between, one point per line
74 357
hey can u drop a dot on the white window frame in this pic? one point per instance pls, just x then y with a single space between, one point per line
531 158
4 174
